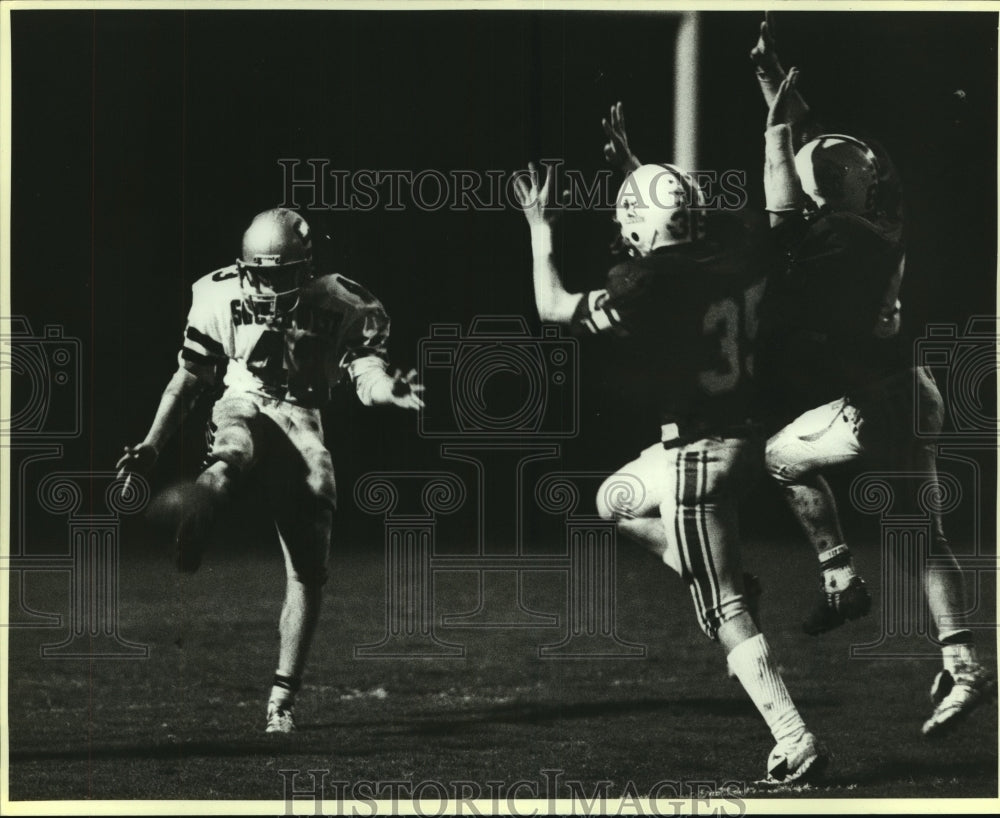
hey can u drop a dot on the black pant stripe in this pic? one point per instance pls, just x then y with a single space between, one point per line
679 510
686 571
692 546
705 539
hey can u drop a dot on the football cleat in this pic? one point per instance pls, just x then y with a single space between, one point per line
837 607
279 718
796 762
956 696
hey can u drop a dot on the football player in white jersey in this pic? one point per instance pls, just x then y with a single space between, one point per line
284 338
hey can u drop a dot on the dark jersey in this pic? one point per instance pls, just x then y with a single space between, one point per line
684 316
818 341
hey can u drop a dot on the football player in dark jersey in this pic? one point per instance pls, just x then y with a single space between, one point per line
683 301
838 370
284 338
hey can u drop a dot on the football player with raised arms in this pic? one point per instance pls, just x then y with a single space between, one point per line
840 372
680 303
284 337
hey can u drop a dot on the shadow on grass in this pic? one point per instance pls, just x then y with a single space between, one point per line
285 745
310 737
536 713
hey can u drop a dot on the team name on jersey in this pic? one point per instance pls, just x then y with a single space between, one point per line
242 316
307 319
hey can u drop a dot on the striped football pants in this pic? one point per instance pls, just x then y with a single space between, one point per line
696 489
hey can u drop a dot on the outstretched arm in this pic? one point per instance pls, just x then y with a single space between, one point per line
554 303
783 194
367 362
770 75
178 398
376 387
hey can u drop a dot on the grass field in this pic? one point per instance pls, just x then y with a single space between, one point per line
187 722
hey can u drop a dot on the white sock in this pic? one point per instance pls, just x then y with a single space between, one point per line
279 696
838 568
753 665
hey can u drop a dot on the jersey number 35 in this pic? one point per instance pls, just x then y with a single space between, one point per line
734 324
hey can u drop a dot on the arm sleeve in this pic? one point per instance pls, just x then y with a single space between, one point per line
366 353
367 336
202 352
595 314
615 309
782 191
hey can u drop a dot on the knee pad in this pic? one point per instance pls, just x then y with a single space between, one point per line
235 448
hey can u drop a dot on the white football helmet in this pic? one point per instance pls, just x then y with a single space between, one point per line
839 172
657 206
276 261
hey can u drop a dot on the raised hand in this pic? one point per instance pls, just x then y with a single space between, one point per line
764 55
534 201
616 149
781 110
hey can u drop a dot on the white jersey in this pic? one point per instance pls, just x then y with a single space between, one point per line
337 325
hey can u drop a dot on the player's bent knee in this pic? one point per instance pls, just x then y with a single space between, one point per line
779 461
619 497
221 476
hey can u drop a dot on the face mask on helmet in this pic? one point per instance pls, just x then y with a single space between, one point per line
276 261
658 206
841 173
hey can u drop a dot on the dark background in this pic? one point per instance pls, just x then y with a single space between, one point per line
143 143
